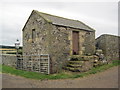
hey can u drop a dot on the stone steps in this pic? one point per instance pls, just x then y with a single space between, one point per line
74 66
76 62
73 69
81 63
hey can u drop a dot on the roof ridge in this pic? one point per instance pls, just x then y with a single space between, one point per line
61 17
104 35
43 16
56 16
110 35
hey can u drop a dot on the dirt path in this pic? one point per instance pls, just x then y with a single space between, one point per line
106 79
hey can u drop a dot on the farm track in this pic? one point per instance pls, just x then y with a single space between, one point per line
106 79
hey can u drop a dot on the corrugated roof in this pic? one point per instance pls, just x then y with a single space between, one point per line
64 21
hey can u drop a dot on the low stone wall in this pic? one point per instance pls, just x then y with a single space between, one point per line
110 46
9 60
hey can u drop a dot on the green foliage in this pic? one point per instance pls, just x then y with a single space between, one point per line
62 75
116 62
0 68
20 51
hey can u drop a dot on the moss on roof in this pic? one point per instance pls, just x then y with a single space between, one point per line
57 20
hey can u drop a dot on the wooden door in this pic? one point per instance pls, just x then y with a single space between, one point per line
75 38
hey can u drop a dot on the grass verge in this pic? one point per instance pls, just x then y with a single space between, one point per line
62 75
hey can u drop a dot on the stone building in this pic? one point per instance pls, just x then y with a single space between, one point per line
110 46
57 36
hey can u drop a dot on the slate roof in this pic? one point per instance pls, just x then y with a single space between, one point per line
64 21
107 35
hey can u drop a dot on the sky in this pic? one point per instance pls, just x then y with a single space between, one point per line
101 15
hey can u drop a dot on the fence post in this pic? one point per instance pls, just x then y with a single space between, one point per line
39 63
48 64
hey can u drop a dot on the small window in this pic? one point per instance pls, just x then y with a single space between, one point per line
33 34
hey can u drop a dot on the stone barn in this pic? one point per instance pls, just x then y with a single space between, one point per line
57 37
109 45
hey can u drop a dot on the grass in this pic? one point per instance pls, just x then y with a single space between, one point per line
62 75
32 75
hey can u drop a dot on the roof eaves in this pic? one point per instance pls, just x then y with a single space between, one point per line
87 26
73 27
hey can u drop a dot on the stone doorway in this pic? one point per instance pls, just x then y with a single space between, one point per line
75 41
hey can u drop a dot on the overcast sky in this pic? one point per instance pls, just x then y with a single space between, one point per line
102 16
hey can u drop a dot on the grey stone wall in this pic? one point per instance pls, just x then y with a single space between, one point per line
110 46
61 45
89 43
9 60
40 44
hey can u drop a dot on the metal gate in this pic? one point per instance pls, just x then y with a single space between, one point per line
36 63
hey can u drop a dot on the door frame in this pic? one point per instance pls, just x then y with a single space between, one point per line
77 33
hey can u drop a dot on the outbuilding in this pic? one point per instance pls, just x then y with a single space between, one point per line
110 45
57 37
